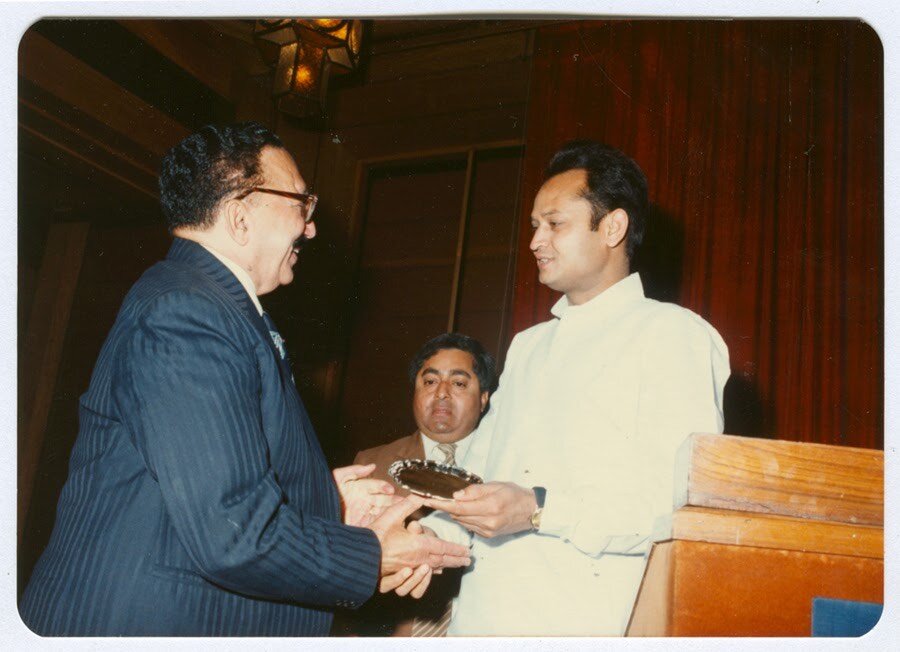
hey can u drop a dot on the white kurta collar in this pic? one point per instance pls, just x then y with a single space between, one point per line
628 290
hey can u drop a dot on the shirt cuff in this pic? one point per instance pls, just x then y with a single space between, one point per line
593 526
560 514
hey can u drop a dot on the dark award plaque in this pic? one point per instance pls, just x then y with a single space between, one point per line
431 479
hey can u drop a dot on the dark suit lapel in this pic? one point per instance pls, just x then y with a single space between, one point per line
198 258
201 260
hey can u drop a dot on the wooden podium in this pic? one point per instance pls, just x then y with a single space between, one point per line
762 527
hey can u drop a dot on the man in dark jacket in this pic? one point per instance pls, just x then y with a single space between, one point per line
198 500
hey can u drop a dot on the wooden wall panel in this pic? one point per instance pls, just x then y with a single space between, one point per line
762 144
471 49
449 92
67 78
431 95
485 288
405 286
402 291
42 349
445 130
192 44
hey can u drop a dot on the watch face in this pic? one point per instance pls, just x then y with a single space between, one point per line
431 479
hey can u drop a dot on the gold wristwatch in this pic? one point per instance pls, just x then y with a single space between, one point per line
540 495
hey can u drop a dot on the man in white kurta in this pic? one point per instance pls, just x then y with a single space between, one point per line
592 406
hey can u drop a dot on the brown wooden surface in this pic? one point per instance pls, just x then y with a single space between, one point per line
416 101
86 126
418 58
192 44
762 144
781 532
67 78
453 307
69 149
706 589
42 348
443 130
816 481
449 92
652 613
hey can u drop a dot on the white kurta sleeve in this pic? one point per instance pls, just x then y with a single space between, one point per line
683 370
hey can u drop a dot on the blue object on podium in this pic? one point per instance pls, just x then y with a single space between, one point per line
832 617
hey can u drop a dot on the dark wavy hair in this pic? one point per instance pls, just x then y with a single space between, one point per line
482 361
208 166
613 181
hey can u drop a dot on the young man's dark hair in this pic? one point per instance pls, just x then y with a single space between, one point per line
482 361
613 181
208 166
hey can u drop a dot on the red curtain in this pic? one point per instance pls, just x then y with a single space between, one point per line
762 142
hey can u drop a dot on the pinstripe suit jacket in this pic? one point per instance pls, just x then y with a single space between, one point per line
198 500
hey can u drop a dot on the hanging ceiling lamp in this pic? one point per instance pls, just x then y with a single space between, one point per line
303 53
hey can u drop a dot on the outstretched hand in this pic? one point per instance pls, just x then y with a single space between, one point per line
363 499
490 509
411 548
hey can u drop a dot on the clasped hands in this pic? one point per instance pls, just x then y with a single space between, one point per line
410 555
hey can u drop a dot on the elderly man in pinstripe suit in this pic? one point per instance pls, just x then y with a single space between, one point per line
198 500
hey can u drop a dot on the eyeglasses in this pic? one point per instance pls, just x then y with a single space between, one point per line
307 200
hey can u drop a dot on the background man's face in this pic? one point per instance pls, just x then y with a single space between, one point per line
448 399
279 221
570 257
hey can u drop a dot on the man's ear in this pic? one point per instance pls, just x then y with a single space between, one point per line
614 227
237 220
484 400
